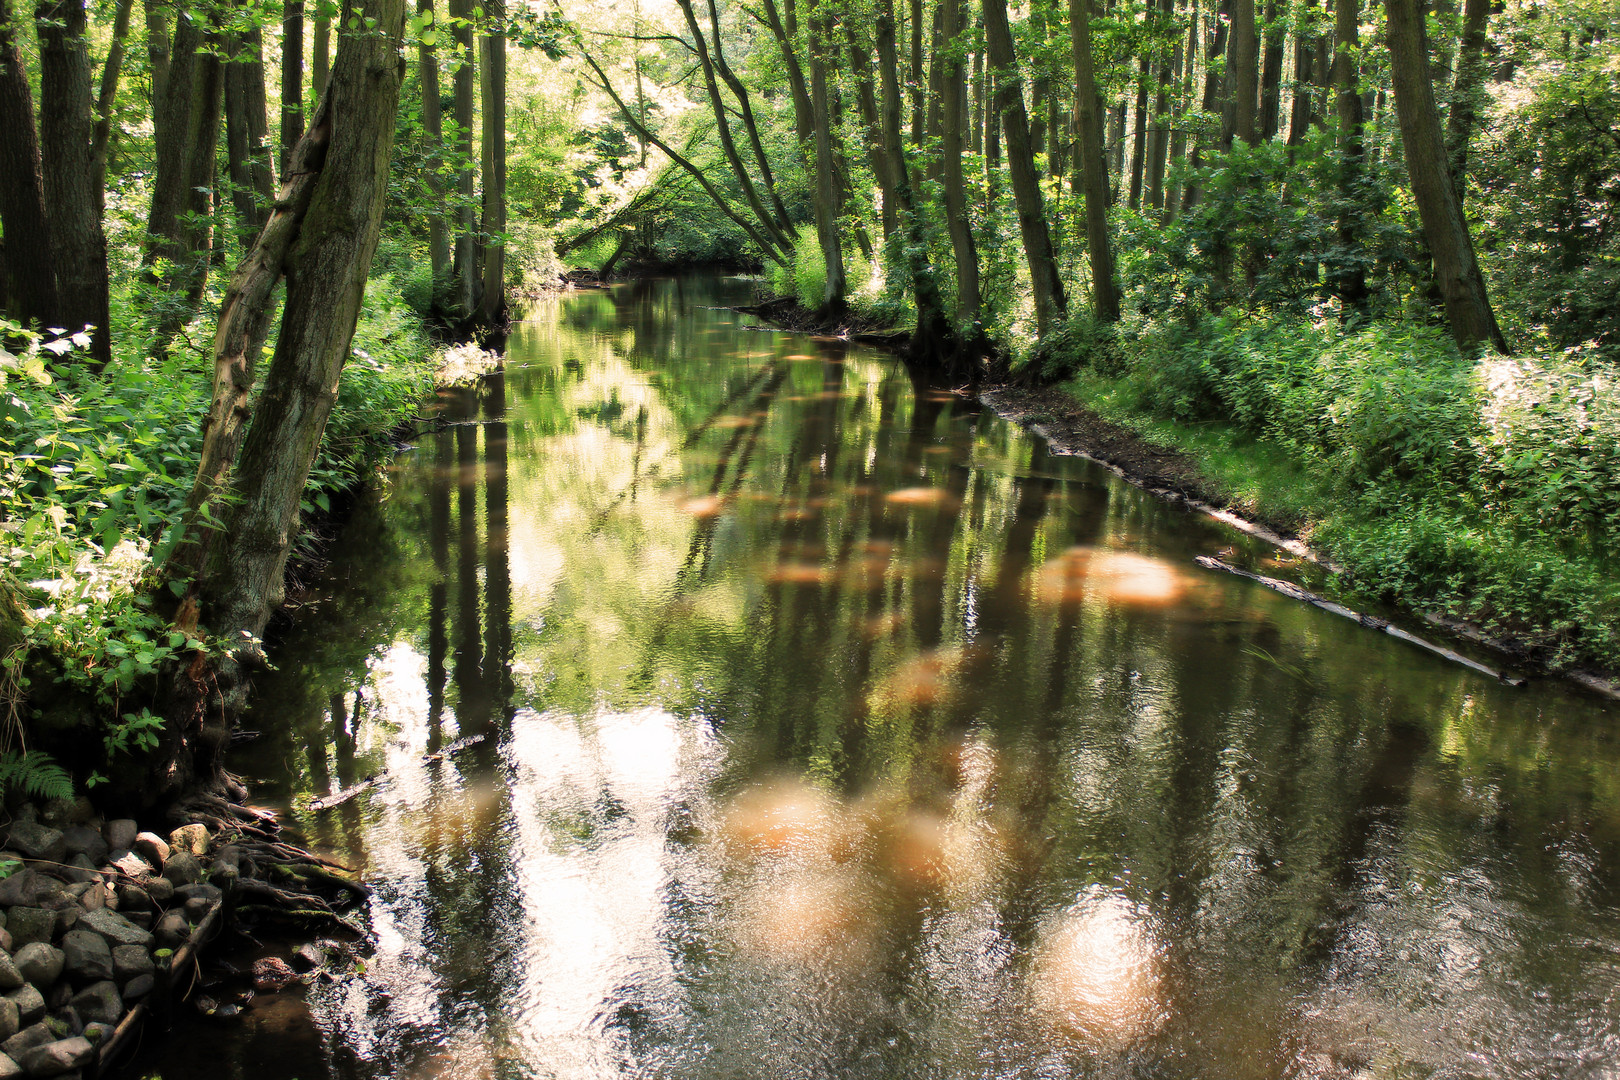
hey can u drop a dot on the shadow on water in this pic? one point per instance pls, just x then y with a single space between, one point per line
829 727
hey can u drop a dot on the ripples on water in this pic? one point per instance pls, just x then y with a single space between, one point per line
834 729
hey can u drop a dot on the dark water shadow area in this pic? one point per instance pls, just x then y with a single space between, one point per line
830 727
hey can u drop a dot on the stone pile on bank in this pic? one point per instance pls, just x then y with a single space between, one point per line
94 914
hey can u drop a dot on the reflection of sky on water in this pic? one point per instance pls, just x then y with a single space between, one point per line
832 729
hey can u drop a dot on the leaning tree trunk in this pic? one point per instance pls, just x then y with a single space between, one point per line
1456 271
1047 285
31 283
108 92
67 152
292 77
1088 133
492 239
326 266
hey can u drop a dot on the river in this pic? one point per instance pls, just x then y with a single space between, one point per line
741 708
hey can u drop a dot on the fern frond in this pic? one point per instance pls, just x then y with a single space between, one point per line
35 774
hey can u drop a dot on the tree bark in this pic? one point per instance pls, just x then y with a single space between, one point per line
1345 274
464 301
1466 91
1050 303
67 154
492 300
157 47
31 289
1215 49
247 134
1088 133
433 134
739 90
1243 72
109 93
1468 308
1301 115
958 220
1271 74
320 54
171 128
860 63
826 200
292 76
1158 135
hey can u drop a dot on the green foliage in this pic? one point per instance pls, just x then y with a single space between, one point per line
1079 341
805 279
35 775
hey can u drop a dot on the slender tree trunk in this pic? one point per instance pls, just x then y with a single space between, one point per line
1346 276
31 289
782 220
67 154
1466 91
1271 75
1050 302
826 200
1158 134
860 63
492 301
976 140
1212 89
1300 113
157 47
1468 309
320 58
1116 150
433 135
948 66
931 339
804 124
465 298
247 134
1185 60
1139 135
109 93
292 76
1243 66
918 98
1088 133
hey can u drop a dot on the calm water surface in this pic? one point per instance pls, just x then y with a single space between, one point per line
830 727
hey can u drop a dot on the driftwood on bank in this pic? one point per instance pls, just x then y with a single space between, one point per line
1289 589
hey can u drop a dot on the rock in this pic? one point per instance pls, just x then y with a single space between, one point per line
308 957
66 1023
138 987
30 1005
56 1058
100 1002
79 869
86 957
161 890
271 973
98 1034
83 840
142 920
37 841
114 927
5 940
132 865
94 897
56 997
133 898
10 977
204 891
129 961
172 930
120 833
191 839
36 1034
40 964
182 868
197 909
18 888
10 1019
10 1070
66 919
151 847
30 924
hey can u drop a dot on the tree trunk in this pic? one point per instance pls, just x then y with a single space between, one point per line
1139 135
1271 74
109 93
860 63
492 240
918 98
1301 114
67 154
782 221
157 47
931 339
959 223
1050 303
1468 309
292 76
804 124
247 134
171 128
1466 91
326 269
320 54
1088 133
1185 60
1243 71
1345 274
31 291
1212 89
433 136
826 199
464 301
1158 135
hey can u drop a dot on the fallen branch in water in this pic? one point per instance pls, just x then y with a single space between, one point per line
1289 589
329 801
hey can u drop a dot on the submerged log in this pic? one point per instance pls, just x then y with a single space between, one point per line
1289 589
